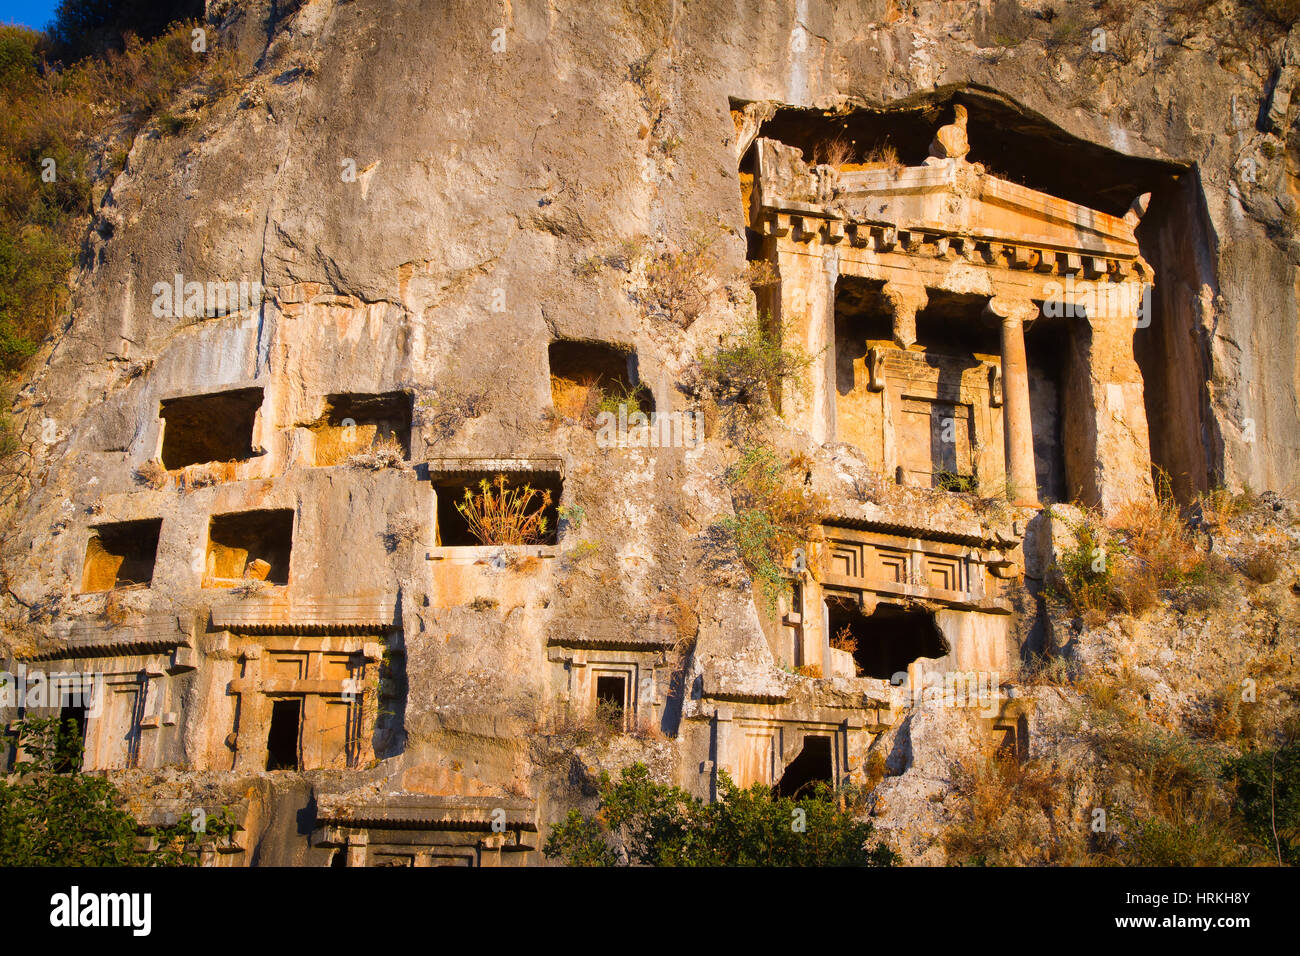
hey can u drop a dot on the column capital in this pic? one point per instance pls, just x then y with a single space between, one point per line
906 295
905 300
1012 309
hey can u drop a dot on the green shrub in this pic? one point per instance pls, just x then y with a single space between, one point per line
1187 841
52 814
749 369
611 396
951 481
51 114
579 841
1148 548
774 512
653 824
1268 800
1085 570
1008 813
170 124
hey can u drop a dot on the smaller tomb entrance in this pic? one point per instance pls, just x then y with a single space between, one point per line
888 639
813 765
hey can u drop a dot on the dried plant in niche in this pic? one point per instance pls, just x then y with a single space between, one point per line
836 152
249 588
205 475
384 453
844 640
500 514
884 156
152 474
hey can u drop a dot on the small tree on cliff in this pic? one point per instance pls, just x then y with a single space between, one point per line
648 823
52 814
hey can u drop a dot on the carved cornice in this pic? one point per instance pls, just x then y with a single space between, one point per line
152 634
282 614
412 811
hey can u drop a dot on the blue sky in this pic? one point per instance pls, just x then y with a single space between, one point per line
30 13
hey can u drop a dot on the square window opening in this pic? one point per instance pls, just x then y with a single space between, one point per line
199 429
121 555
360 424
249 545
515 508
590 377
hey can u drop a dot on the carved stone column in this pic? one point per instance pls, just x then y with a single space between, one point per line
904 302
723 758
1017 429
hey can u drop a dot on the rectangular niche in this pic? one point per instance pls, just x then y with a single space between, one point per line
249 545
198 429
613 694
453 529
937 446
588 377
354 424
282 751
121 555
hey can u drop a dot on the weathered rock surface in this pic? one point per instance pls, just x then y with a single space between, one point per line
431 193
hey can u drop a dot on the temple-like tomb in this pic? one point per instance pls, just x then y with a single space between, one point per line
966 332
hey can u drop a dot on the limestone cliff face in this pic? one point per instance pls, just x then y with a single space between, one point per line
430 194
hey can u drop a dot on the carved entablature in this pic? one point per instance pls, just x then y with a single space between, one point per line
946 212
279 614
492 466
655 634
413 829
154 634
874 566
